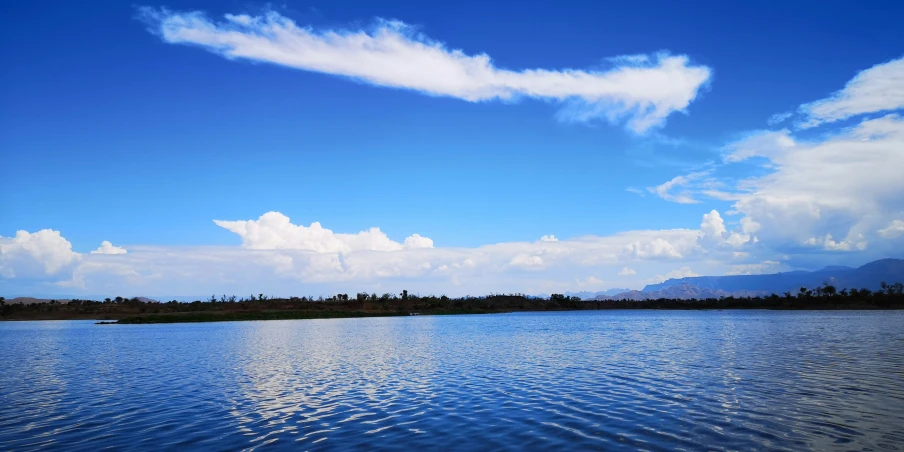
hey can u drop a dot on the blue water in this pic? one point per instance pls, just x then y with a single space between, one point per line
655 380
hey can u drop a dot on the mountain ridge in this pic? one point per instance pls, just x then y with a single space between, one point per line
867 276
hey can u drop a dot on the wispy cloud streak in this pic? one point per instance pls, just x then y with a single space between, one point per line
641 90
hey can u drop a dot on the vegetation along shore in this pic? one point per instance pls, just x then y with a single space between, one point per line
137 310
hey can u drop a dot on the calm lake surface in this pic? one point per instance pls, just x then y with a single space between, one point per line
656 380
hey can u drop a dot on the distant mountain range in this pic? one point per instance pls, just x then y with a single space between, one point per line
591 295
869 276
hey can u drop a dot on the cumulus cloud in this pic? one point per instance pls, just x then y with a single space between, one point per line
712 227
714 233
877 89
847 182
314 254
108 248
643 90
278 255
839 191
415 241
45 252
273 231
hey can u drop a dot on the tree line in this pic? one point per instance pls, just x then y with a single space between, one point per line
890 296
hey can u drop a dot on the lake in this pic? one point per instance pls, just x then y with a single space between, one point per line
599 380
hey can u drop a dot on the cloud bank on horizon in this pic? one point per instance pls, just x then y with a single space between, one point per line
840 190
641 89
273 249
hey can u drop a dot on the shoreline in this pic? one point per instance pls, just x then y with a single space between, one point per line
288 315
209 317
138 311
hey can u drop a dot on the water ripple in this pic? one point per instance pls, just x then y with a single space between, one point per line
589 380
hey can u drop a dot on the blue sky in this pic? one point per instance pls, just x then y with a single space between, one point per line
141 125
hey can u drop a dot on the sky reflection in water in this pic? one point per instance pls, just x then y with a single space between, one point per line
584 380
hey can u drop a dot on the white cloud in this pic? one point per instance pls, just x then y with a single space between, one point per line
894 229
644 90
847 183
527 261
877 89
761 143
683 272
838 192
829 244
658 247
779 118
627 271
844 183
715 234
277 255
45 252
415 241
590 282
755 269
106 271
273 231
370 254
636 191
664 190
712 226
108 248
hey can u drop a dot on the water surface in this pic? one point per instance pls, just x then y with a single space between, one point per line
608 380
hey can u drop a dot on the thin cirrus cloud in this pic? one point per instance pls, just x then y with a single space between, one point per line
877 89
639 89
667 190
